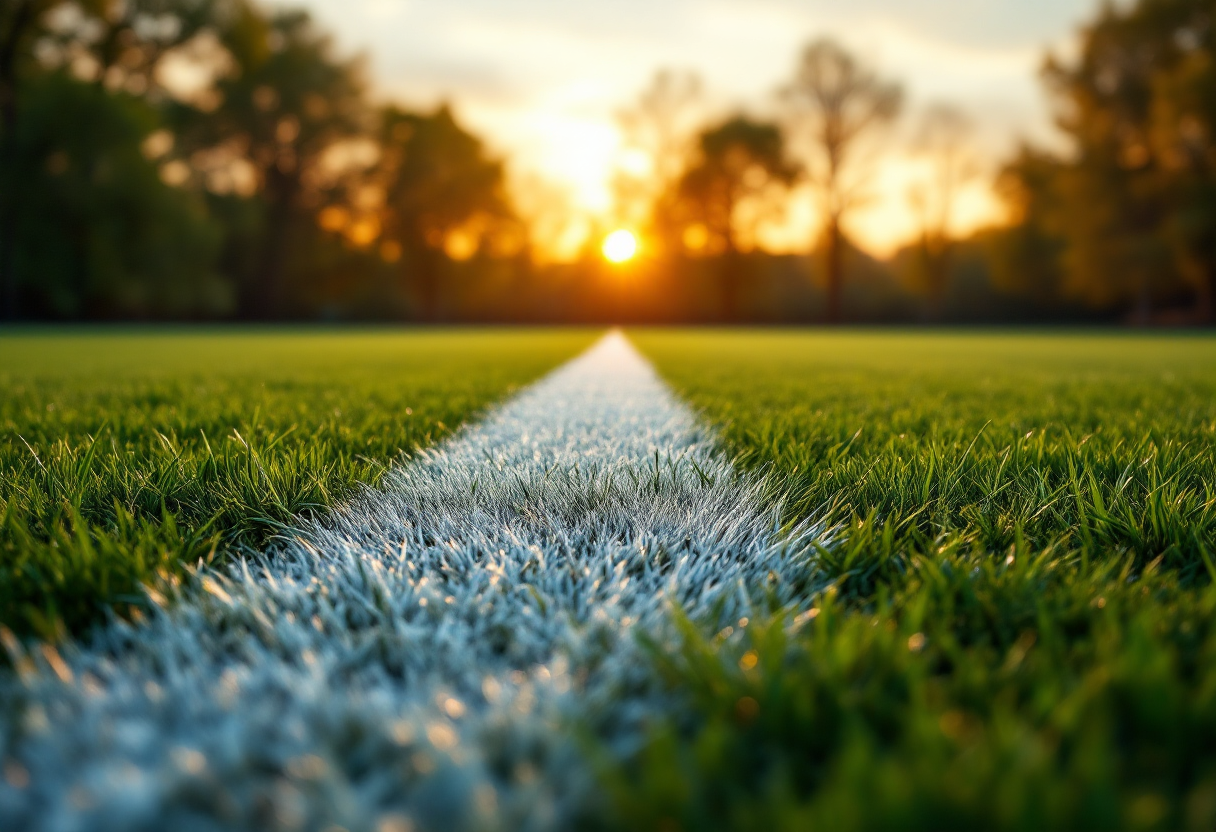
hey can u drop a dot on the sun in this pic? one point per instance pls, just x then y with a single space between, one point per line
620 246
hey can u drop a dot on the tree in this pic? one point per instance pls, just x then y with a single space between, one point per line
835 103
1026 253
1182 134
660 127
1138 189
20 23
118 44
121 43
728 191
441 193
104 235
283 108
944 145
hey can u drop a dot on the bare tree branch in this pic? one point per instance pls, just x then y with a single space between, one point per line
834 101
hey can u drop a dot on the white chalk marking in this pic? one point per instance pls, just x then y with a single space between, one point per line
417 657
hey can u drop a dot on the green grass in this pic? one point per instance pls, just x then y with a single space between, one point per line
1020 631
126 455
1020 626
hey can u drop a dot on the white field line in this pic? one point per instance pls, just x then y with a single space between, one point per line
415 660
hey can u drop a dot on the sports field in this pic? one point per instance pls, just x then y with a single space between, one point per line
879 580
123 456
1021 628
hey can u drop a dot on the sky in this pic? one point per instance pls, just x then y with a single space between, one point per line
541 80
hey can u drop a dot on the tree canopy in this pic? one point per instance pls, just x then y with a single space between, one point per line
200 159
1133 203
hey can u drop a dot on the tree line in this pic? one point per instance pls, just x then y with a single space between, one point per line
215 159
211 159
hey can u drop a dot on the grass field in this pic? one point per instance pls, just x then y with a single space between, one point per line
1021 632
123 456
1019 629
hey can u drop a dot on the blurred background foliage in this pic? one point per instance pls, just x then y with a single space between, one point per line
219 160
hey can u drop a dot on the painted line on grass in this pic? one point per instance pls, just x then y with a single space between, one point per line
416 660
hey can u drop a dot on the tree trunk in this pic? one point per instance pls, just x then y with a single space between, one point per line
24 15
835 266
428 264
1203 276
8 212
269 296
732 279
1142 313
1205 301
731 262
937 256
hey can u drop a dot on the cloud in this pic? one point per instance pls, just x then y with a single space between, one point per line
542 78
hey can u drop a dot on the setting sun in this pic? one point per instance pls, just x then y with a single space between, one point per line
620 246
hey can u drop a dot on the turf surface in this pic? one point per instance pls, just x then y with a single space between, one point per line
1021 633
413 659
125 455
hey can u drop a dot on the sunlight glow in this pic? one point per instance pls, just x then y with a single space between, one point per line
544 84
620 246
